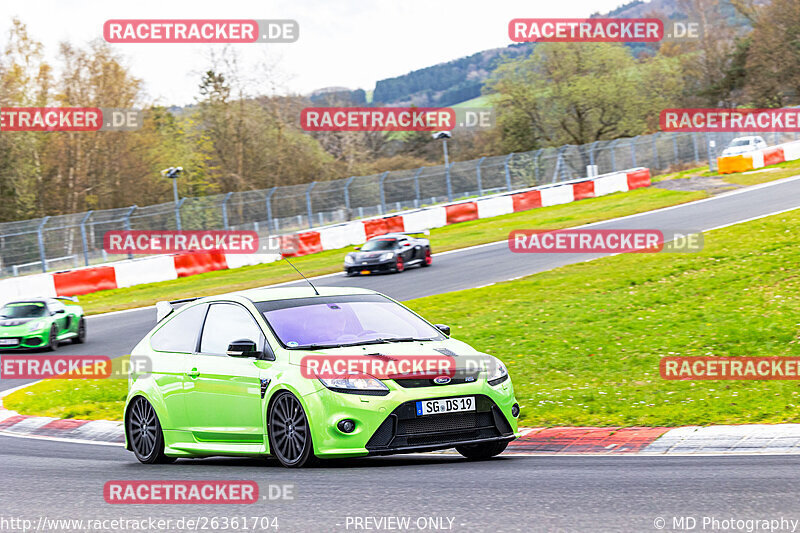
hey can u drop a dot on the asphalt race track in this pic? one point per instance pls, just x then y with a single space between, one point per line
508 494
511 493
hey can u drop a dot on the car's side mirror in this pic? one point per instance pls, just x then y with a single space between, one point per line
58 311
443 328
406 244
243 348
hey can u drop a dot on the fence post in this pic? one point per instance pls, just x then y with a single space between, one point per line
268 201
592 148
508 170
536 166
83 237
178 205
347 183
42 256
308 204
383 194
613 156
633 151
654 136
417 199
675 146
225 224
694 145
478 176
127 221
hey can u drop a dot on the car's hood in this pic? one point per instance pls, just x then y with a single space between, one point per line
9 322
738 150
433 348
363 256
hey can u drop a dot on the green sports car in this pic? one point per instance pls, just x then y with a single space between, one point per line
231 375
41 323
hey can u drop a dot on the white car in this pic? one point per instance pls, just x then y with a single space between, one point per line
741 145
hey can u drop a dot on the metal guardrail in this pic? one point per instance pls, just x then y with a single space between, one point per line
66 241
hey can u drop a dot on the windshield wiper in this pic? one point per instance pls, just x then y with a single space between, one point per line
359 343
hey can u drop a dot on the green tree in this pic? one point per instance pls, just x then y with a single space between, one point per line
578 93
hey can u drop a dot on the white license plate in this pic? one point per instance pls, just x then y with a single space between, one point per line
450 405
8 342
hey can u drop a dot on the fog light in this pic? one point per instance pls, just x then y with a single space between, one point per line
515 410
346 426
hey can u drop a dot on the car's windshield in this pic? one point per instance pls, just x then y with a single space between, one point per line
741 142
379 244
344 320
22 310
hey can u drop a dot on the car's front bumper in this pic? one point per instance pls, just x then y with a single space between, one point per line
22 337
371 267
389 424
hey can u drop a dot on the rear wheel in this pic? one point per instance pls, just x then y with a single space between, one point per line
144 433
52 339
289 432
400 265
81 337
482 451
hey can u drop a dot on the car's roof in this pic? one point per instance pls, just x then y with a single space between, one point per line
284 293
29 301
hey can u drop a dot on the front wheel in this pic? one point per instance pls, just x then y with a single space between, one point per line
81 337
144 433
52 339
482 451
289 432
428 258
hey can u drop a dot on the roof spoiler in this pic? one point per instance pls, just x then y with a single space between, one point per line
164 309
73 299
424 232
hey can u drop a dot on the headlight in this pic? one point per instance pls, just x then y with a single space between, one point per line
348 259
496 373
386 256
359 385
36 326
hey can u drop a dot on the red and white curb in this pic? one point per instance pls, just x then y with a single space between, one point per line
778 439
107 432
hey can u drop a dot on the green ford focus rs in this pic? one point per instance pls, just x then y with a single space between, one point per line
243 374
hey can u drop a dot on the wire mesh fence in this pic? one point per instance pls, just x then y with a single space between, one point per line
68 241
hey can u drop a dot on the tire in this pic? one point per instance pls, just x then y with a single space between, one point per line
399 265
81 338
144 433
426 262
484 450
52 340
289 432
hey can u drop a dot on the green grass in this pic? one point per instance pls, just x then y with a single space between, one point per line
583 342
442 239
485 100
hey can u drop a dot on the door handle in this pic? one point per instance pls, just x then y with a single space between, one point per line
193 374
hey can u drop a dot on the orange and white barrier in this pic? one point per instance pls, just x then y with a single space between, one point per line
157 268
759 158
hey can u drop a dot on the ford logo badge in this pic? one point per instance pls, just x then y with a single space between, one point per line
441 380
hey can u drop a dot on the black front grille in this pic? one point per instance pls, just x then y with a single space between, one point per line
445 422
404 429
455 380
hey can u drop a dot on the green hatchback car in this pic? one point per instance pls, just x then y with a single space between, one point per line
41 323
230 375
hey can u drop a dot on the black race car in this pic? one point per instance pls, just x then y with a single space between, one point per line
392 252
